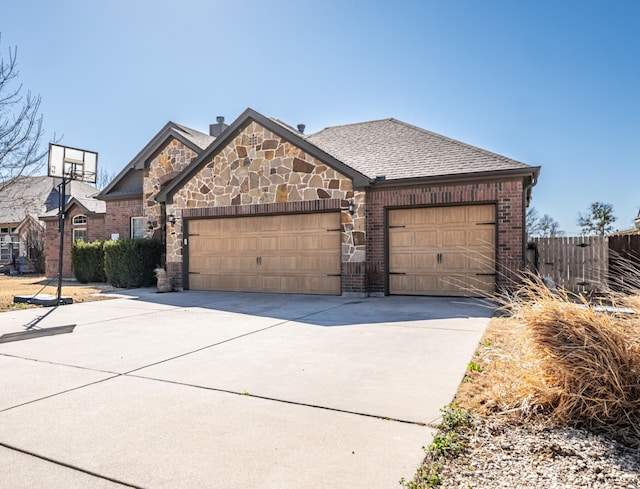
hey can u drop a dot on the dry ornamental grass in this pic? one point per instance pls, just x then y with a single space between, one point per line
562 357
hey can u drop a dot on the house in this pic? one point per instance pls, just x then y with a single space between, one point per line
380 207
22 201
84 220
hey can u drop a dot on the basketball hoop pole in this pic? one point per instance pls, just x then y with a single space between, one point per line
61 213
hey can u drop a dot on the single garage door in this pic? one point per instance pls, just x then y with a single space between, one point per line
288 253
442 250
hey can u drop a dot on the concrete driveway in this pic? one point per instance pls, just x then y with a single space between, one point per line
229 390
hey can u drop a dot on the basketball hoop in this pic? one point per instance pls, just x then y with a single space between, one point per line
72 163
69 164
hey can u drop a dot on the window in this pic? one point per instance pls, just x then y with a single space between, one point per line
80 234
8 249
137 227
79 220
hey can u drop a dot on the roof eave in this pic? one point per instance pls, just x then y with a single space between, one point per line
157 142
531 172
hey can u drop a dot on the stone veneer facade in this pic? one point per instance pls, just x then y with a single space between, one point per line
170 161
260 172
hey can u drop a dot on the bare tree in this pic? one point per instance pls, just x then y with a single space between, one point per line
549 227
545 226
21 130
599 220
104 178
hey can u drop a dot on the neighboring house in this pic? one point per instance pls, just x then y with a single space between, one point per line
84 220
379 207
22 202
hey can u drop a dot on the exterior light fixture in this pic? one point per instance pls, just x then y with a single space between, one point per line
351 208
172 219
149 225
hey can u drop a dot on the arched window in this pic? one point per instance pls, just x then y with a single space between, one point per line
80 233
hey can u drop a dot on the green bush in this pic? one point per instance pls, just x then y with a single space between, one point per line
130 263
88 261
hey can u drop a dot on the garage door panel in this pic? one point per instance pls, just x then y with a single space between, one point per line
428 216
287 243
288 253
455 237
401 262
482 235
401 239
441 250
453 215
425 238
481 213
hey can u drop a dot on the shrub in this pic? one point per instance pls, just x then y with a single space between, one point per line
131 262
582 361
88 261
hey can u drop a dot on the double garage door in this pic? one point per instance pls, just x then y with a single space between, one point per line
442 250
289 253
431 251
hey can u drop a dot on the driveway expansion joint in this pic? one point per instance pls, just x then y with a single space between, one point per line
69 466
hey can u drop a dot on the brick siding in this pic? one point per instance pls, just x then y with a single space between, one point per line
506 195
95 227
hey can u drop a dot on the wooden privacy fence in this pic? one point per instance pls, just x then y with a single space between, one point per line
624 262
578 264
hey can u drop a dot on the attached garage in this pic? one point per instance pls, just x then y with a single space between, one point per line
294 253
442 250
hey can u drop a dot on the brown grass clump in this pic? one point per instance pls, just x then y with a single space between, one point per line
573 361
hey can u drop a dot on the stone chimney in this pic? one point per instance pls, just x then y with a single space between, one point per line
216 129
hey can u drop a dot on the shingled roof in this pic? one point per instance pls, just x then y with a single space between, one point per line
397 150
39 196
129 181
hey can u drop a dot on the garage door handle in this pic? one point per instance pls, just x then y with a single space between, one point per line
258 260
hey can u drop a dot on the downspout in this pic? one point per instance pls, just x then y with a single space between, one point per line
526 200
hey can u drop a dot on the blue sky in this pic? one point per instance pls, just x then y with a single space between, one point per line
549 83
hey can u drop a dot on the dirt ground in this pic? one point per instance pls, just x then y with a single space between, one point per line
11 286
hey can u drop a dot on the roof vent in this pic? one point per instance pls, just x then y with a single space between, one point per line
301 128
220 119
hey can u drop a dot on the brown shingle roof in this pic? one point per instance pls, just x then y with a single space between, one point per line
398 150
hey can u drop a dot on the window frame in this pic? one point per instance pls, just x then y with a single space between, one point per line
132 228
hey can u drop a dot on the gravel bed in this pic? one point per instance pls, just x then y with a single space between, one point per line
500 455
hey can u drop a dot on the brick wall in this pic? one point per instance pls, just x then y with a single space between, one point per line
506 195
95 227
118 216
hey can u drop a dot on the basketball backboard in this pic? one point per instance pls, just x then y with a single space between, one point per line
72 163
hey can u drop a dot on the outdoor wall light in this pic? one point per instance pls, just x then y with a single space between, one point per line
149 225
351 208
172 219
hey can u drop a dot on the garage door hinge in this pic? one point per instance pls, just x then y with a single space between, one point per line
397 273
193 234
391 227
336 229
334 275
194 273
485 223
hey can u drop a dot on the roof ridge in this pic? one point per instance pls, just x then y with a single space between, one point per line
355 124
457 141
